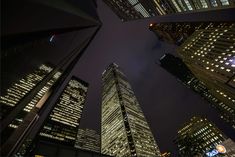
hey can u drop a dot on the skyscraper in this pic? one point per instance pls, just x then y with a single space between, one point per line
18 90
210 55
178 68
138 9
198 136
63 122
124 129
88 139
26 41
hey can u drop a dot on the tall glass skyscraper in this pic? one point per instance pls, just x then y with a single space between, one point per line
34 40
124 129
210 55
63 122
18 90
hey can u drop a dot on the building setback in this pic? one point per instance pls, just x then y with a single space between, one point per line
124 129
197 137
128 10
176 32
18 90
178 68
63 122
88 139
210 55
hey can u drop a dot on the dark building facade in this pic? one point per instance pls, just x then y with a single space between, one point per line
124 10
30 44
179 69
44 148
176 67
197 137
177 32
63 122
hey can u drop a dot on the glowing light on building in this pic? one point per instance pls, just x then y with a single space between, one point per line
220 149
51 38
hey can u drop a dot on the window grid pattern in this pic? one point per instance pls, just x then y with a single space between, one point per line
210 55
203 134
63 122
125 131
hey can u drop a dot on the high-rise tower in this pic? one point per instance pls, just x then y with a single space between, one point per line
210 55
18 90
197 137
63 122
34 40
124 129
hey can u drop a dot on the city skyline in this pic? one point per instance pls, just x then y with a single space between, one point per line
142 64
132 46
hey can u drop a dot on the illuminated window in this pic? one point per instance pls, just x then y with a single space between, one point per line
224 2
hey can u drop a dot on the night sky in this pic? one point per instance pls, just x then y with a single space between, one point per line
166 103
